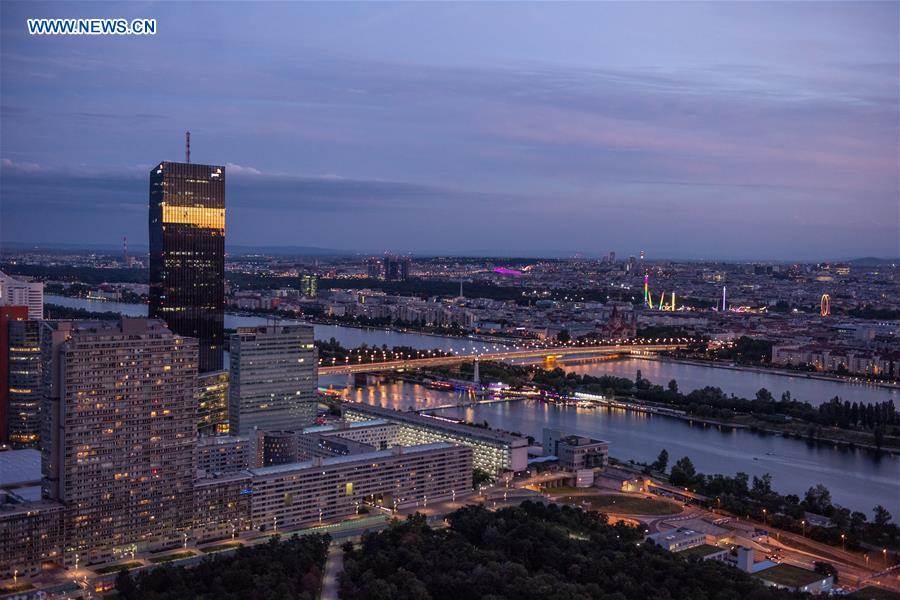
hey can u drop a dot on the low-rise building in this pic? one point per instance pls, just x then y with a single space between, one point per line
678 539
576 452
301 493
493 451
795 579
222 454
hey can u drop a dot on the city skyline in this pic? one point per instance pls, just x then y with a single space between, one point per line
774 141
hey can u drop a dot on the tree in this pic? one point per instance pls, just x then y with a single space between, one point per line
480 477
673 386
762 486
683 472
125 585
764 395
882 516
817 499
563 337
662 461
826 569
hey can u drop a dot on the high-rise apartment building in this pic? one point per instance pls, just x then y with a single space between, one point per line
273 378
16 292
212 403
187 254
309 286
121 429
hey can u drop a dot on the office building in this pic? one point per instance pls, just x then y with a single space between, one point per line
273 378
212 403
17 292
7 315
575 452
493 451
275 448
374 268
396 268
21 380
187 254
121 423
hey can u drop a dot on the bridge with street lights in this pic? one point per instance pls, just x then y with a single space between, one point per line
632 347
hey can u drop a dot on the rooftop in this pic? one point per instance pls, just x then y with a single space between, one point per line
789 576
351 458
701 551
438 422
18 467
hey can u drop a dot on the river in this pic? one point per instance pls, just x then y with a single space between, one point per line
857 479
689 377
349 337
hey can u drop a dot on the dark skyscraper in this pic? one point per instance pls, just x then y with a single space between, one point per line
187 254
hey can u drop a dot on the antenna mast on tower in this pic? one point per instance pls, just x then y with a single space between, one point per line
187 147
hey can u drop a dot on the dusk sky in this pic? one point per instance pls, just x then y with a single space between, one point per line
689 130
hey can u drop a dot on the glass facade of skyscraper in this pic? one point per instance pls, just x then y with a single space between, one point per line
187 254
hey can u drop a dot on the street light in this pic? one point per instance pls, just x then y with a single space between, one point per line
185 539
843 544
803 528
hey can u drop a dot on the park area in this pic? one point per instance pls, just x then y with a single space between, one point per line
619 504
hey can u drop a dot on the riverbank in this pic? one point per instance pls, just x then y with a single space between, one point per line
734 413
136 308
798 431
776 371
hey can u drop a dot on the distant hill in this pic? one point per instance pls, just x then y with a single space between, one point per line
871 261
288 250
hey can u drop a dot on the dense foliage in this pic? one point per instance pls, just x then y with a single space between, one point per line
289 568
56 311
741 495
332 349
711 402
531 552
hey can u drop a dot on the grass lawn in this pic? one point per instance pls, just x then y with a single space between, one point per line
626 505
700 551
789 575
170 557
220 547
115 568
871 592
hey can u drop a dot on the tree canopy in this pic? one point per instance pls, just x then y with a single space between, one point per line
289 568
531 552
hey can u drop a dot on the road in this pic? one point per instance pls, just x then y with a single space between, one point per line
437 361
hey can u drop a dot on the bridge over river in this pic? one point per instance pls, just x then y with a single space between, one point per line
634 349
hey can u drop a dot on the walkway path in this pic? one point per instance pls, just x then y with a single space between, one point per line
334 565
